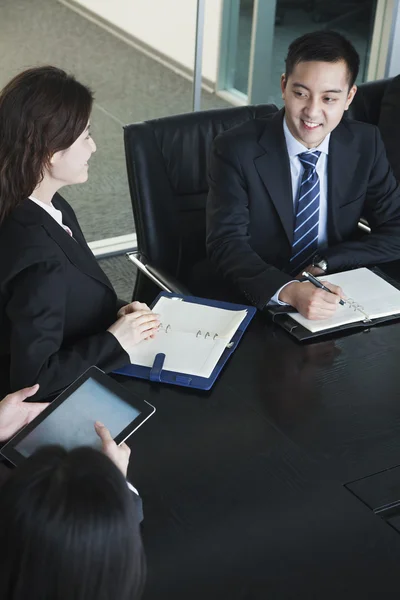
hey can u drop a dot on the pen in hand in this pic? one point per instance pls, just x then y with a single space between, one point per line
320 285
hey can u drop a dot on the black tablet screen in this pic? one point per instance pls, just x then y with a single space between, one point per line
72 423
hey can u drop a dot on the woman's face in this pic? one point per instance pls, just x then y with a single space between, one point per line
71 165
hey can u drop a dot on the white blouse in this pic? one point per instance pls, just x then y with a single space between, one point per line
53 212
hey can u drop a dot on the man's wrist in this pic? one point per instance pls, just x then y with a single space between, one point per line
287 293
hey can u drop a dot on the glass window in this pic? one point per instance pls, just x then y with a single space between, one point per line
256 36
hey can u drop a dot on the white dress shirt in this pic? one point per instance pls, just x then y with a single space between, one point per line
295 148
53 212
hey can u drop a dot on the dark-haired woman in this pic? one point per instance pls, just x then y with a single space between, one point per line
69 527
58 311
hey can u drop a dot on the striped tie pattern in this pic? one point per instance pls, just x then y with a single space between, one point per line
305 237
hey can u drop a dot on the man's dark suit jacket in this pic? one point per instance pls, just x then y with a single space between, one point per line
250 214
56 303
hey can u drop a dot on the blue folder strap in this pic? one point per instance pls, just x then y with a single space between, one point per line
155 371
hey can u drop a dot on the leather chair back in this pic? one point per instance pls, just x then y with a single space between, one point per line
366 105
167 163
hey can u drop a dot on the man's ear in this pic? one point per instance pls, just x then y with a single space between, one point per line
283 83
350 96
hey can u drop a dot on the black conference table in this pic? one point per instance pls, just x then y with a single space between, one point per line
264 487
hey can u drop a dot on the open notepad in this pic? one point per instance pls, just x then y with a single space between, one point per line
368 297
192 336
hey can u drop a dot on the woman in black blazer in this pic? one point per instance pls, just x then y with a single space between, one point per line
58 311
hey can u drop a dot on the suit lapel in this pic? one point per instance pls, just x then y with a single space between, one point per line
75 248
70 220
342 169
273 166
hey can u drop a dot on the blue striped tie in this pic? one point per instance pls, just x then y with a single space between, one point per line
305 237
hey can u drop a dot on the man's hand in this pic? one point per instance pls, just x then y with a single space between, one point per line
310 301
15 413
118 454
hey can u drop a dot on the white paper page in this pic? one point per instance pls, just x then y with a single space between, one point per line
376 297
184 353
190 317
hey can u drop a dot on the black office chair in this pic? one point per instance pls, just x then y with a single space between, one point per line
167 161
366 106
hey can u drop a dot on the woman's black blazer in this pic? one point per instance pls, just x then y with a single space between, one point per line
56 303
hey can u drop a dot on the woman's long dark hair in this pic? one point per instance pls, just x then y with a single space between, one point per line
69 530
42 110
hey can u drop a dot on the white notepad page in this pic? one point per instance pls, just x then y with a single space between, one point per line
192 336
376 297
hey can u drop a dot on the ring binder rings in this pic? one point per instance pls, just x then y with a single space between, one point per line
206 335
181 342
357 307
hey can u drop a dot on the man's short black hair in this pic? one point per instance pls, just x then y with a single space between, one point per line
323 46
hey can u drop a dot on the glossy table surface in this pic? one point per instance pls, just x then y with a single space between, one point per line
244 486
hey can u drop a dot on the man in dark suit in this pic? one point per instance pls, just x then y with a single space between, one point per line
286 193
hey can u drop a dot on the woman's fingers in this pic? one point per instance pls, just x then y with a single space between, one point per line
142 314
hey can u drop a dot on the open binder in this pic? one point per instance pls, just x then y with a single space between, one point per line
373 289
213 335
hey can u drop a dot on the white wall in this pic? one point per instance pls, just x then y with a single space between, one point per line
168 26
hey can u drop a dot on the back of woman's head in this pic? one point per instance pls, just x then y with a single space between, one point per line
69 530
43 110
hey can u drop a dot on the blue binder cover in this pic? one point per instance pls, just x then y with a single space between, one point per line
157 373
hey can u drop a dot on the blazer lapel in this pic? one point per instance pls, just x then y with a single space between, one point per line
79 254
273 166
342 169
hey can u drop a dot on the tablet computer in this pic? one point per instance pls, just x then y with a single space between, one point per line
69 420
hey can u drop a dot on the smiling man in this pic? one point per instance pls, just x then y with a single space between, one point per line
287 192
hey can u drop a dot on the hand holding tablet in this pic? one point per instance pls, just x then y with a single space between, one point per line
69 420
15 413
118 454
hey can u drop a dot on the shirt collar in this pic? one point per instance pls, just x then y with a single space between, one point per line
294 147
49 208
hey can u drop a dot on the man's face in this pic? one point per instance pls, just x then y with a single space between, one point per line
316 94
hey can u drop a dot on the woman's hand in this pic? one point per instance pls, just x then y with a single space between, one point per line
15 413
118 454
134 327
132 307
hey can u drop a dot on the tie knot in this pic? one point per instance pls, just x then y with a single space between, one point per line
309 159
